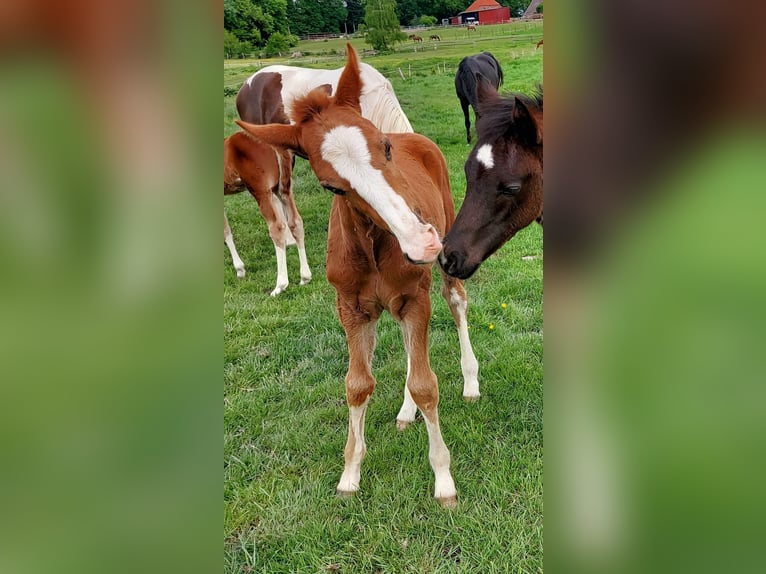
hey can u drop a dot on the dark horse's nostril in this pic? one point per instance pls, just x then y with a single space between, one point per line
451 261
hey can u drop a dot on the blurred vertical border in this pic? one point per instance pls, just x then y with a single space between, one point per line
110 301
655 275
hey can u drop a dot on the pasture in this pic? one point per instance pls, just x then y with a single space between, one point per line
285 357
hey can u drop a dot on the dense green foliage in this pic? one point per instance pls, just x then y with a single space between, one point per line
355 14
316 16
250 24
285 357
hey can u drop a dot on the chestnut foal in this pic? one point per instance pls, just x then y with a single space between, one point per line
392 205
255 166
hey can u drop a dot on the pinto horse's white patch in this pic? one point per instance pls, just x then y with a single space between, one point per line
345 149
484 155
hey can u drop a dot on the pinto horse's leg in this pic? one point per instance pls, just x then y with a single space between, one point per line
228 238
294 220
424 389
464 104
360 335
457 299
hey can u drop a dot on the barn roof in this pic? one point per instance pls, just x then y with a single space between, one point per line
480 5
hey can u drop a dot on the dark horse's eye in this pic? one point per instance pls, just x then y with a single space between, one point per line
335 190
512 189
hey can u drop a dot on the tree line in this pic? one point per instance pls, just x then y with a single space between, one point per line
273 26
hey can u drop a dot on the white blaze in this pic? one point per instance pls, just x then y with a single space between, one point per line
484 155
345 148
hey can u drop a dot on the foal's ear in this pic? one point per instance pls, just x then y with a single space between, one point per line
279 135
350 83
525 124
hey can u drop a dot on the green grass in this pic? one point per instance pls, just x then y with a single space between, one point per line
284 407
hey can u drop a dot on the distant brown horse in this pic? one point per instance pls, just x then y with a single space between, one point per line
540 43
257 167
504 176
392 203
435 37
417 39
470 27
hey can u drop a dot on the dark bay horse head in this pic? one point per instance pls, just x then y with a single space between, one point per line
504 176
465 83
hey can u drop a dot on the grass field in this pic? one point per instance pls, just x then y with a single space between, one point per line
285 359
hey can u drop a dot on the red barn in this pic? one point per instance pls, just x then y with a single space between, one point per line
483 12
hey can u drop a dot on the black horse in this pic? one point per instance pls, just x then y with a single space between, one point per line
465 82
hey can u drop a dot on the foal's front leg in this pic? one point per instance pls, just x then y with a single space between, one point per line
360 335
457 299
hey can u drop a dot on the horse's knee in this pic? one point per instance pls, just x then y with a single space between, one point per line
425 392
277 232
359 387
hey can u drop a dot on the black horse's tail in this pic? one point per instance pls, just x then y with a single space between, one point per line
499 71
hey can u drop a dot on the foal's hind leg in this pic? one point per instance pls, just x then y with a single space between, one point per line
294 220
272 212
464 104
457 299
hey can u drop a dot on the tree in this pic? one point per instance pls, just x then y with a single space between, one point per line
517 6
279 43
382 24
233 47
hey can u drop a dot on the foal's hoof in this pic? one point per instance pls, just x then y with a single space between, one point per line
448 502
279 289
305 280
346 494
402 425
471 398
241 273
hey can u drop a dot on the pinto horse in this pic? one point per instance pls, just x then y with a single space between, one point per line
259 168
504 176
268 95
392 203
465 82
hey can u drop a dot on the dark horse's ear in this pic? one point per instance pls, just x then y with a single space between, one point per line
350 83
524 123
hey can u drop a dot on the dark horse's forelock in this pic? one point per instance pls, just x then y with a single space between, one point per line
497 116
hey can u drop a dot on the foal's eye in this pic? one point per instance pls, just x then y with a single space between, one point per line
388 150
511 189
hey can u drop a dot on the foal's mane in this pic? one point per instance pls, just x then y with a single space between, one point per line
310 105
496 118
